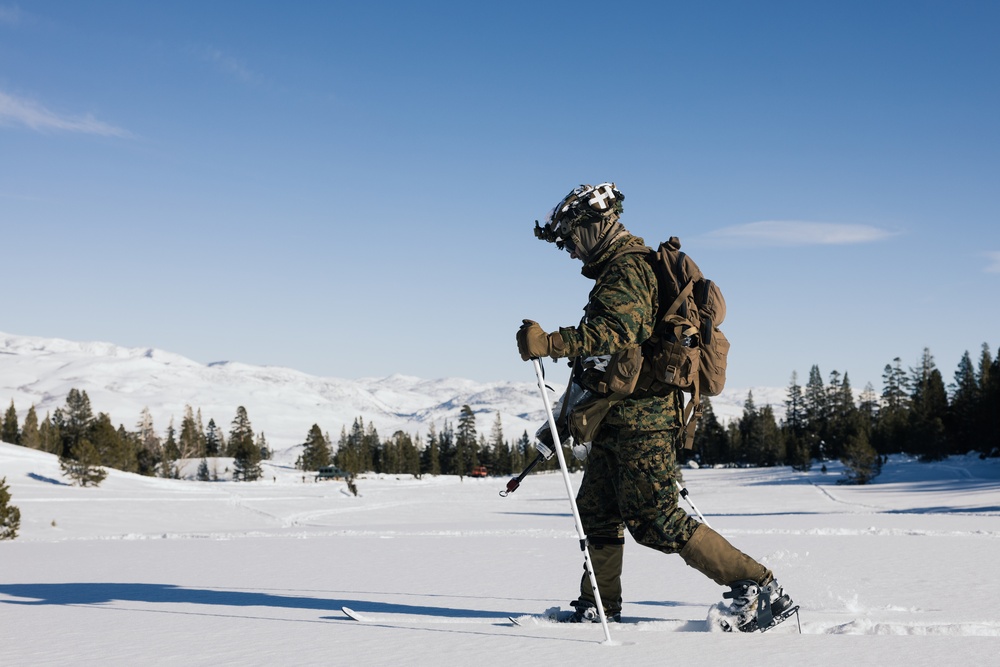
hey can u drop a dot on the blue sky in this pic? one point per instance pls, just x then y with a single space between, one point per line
350 189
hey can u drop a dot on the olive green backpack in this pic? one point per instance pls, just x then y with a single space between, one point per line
687 348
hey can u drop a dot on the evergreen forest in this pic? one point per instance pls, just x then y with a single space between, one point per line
916 413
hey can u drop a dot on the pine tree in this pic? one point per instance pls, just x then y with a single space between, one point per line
83 464
355 448
961 421
191 440
772 451
861 461
215 441
342 455
410 455
750 442
520 453
868 408
465 441
79 458
199 426
9 431
246 454
816 408
50 435
30 435
430 459
113 451
733 436
132 446
797 446
400 455
499 448
265 451
10 515
843 420
987 417
75 420
481 454
892 429
315 451
446 450
149 452
929 402
795 417
985 367
990 444
711 446
370 443
170 453
353 451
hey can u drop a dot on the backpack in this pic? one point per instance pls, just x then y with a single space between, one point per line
687 348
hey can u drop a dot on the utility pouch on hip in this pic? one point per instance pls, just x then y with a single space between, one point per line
619 380
622 374
586 418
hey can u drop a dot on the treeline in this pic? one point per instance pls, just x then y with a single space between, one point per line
86 444
454 450
915 413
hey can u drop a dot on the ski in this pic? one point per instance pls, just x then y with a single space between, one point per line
355 616
553 616
549 620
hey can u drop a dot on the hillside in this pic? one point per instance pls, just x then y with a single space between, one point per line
282 403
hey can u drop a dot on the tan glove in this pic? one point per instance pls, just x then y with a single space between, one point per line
533 342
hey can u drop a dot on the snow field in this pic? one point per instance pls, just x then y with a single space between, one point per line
216 573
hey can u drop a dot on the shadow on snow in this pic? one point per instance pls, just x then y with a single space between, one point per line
103 593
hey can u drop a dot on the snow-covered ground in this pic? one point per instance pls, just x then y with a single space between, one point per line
153 571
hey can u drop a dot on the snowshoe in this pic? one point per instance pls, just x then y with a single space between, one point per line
586 612
755 606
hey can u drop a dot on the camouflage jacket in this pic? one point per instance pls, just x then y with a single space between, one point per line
620 314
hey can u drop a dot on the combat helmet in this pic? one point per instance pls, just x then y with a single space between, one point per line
583 219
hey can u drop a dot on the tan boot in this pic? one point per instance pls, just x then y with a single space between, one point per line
712 555
607 560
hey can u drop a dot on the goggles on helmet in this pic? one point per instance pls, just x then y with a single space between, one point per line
586 203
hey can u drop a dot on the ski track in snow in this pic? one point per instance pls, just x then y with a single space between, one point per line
869 627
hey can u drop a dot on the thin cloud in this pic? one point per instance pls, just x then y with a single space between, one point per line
800 233
226 64
27 113
10 14
994 265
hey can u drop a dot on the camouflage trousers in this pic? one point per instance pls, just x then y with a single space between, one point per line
629 483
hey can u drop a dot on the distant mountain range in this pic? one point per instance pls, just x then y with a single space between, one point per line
281 402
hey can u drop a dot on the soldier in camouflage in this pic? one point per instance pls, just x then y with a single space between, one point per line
631 466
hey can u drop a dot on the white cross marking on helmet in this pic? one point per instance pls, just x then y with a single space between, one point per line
601 197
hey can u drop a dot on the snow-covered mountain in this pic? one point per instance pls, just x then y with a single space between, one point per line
281 402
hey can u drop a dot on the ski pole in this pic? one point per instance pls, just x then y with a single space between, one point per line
572 499
687 496
516 482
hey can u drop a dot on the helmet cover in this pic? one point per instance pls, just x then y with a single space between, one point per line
586 204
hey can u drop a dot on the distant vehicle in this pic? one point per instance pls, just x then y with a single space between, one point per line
479 471
330 472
